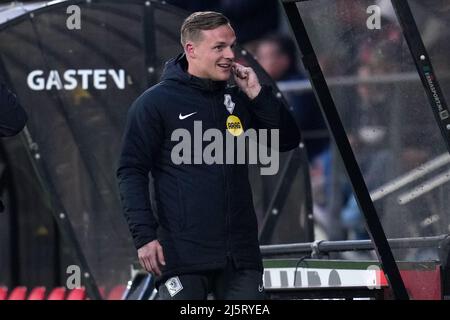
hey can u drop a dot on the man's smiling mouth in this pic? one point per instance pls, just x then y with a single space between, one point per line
224 65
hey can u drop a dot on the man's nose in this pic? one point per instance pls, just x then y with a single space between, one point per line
229 53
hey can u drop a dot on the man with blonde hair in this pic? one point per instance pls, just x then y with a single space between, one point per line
204 237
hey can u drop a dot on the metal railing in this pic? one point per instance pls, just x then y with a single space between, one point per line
324 247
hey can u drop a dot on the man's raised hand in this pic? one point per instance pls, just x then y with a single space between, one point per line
246 79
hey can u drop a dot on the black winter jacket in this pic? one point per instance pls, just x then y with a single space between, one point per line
12 117
205 212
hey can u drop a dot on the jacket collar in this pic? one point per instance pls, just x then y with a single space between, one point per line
176 69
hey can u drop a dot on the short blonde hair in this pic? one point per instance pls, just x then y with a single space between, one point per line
198 21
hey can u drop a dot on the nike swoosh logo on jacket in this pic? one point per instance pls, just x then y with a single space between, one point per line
181 117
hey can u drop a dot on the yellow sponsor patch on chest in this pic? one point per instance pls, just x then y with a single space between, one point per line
234 125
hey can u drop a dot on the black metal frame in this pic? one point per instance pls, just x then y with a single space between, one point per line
424 67
325 100
150 38
141 287
444 258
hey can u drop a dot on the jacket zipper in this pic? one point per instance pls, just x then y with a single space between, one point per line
227 215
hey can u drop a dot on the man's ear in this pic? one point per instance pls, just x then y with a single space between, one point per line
190 49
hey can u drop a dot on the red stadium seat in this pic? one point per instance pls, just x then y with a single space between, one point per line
58 293
18 293
102 292
3 293
116 293
77 294
37 293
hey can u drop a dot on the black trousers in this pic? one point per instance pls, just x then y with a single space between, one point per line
226 284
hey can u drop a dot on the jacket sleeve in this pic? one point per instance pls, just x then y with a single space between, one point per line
269 112
140 147
12 116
